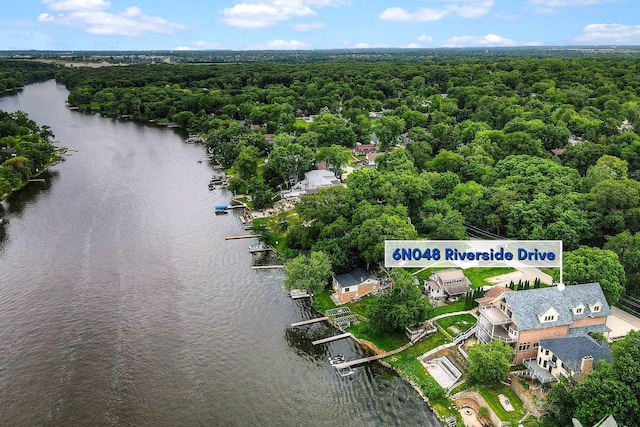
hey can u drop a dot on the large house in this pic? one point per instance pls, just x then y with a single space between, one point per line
450 284
524 318
354 285
363 149
315 180
570 356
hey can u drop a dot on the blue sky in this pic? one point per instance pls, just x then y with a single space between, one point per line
314 24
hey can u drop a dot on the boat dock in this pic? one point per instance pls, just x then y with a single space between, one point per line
333 338
372 358
299 293
310 321
259 247
246 236
265 267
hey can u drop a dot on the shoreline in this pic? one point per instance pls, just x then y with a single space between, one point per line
370 347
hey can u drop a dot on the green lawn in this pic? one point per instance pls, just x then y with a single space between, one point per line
322 300
462 322
490 394
477 275
385 341
300 123
449 308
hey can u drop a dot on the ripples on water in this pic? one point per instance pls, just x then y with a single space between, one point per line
122 304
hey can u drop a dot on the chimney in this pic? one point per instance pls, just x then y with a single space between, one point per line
586 366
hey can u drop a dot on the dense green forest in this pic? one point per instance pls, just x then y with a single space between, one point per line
474 137
25 150
25 147
495 148
15 74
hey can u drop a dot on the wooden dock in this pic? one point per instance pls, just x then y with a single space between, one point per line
299 293
240 206
333 338
265 267
355 362
260 247
246 236
310 321
37 180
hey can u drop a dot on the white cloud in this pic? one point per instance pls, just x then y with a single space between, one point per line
413 46
266 13
77 4
610 34
364 45
91 16
280 45
308 27
398 14
462 8
425 38
200 45
469 8
490 40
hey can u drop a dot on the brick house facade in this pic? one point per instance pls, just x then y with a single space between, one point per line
355 284
523 318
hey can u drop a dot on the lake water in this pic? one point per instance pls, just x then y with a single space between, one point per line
122 304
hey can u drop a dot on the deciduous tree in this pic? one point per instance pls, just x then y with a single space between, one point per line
308 272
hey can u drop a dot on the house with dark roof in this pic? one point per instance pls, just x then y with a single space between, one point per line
570 356
523 318
354 285
450 284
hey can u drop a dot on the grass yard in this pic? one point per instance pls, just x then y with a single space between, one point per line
385 341
449 308
322 300
300 123
461 322
490 394
478 275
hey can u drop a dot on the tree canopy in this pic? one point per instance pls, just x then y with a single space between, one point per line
308 272
586 265
400 306
489 363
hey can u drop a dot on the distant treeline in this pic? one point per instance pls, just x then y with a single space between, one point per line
14 74
516 148
330 55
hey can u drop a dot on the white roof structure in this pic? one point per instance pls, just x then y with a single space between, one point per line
316 179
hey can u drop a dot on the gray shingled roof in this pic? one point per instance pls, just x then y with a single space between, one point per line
354 277
572 348
528 305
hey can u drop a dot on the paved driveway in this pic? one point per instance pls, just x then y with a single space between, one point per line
621 323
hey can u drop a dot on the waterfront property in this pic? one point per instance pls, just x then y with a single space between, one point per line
450 284
315 180
523 318
570 356
354 285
